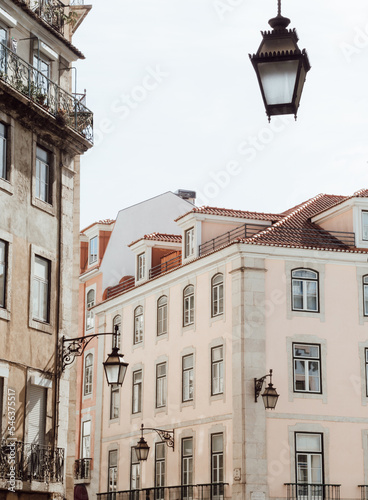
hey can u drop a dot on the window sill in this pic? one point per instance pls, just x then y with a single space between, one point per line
42 205
6 186
217 397
5 314
41 327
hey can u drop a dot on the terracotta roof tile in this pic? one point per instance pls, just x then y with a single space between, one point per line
227 212
167 238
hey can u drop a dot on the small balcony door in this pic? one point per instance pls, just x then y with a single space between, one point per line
309 466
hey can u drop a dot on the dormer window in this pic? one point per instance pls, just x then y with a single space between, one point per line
365 226
189 242
93 250
141 268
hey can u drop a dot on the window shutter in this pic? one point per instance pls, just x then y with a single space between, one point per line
37 414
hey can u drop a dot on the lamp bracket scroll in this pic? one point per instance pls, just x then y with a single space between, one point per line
166 436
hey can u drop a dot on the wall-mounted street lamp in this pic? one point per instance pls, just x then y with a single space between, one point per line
115 366
142 448
281 67
269 396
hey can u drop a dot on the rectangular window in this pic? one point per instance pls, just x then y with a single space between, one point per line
113 470
365 226
138 325
217 369
307 368
88 374
137 392
3 49
41 293
43 175
365 295
189 242
161 383
309 463
217 465
1 401
3 269
3 150
188 377
41 78
93 244
187 468
114 401
141 266
135 472
366 372
86 439
160 467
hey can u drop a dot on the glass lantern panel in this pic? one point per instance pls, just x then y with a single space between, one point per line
278 81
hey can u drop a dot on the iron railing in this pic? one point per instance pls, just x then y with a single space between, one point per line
66 108
312 491
212 491
76 2
125 285
363 491
50 11
292 235
31 462
165 266
82 469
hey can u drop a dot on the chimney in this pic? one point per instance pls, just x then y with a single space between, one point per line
187 195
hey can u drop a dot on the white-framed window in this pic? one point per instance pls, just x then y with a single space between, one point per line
88 374
138 325
113 470
3 49
217 370
366 372
116 339
3 147
304 290
93 250
217 465
217 295
188 306
11 396
3 272
162 315
41 289
137 391
141 266
365 295
365 226
90 302
189 242
135 472
187 466
41 77
160 470
161 385
43 191
188 378
309 461
86 439
307 368
114 401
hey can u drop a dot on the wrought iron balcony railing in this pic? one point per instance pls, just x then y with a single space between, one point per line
363 491
309 491
165 266
31 462
66 108
124 286
82 469
51 11
211 491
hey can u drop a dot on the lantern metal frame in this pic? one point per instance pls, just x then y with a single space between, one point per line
166 436
258 384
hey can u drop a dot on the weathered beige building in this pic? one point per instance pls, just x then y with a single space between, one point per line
43 130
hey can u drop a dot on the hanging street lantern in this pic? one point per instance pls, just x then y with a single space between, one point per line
281 67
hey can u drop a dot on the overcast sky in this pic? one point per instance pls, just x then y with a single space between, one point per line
177 105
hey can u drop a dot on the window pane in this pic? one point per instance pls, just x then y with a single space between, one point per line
311 295
304 273
308 442
40 289
365 225
2 148
365 293
3 250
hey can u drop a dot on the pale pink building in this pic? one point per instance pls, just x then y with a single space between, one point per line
215 305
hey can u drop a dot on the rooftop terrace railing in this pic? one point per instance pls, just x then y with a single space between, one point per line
212 491
68 109
165 266
125 285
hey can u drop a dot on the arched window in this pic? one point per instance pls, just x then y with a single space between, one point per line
88 374
365 294
138 325
162 315
90 320
188 309
304 290
116 340
217 295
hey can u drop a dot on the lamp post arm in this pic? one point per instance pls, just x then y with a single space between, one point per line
258 384
167 436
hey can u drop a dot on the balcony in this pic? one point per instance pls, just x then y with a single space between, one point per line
68 110
31 462
165 266
363 491
212 491
53 12
309 491
125 284
82 470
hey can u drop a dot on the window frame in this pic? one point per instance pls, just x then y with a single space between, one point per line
138 325
88 375
162 315
46 291
92 252
305 294
366 371
141 266
190 371
187 459
188 306
84 424
137 466
4 264
364 225
116 339
47 196
219 469
159 464
4 175
189 242
90 317
320 453
365 294
161 386
112 468
307 360
137 387
219 288
114 401
219 365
